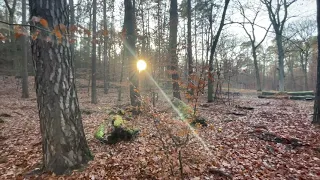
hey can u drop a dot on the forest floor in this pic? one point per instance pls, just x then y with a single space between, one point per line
274 140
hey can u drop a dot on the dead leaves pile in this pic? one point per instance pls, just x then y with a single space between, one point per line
232 150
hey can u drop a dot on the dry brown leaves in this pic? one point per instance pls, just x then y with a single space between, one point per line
232 149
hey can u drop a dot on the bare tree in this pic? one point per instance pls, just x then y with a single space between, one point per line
189 47
276 10
173 47
105 48
213 49
303 31
252 36
94 54
12 11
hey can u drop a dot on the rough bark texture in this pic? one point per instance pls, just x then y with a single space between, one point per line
130 46
213 49
316 113
94 54
25 90
72 22
64 144
173 47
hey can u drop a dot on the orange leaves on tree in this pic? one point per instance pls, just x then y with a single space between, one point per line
44 23
35 35
18 32
87 32
105 32
57 33
73 28
63 28
2 37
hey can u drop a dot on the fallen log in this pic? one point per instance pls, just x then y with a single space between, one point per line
273 97
301 97
301 93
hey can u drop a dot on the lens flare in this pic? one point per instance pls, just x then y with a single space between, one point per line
141 65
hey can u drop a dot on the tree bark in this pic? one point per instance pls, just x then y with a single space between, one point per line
25 89
72 23
280 61
105 48
130 45
316 111
189 50
256 67
94 54
64 145
173 47
213 49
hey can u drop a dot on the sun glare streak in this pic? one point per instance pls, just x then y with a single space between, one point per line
181 116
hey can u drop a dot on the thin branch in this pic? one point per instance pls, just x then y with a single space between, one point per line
264 37
25 25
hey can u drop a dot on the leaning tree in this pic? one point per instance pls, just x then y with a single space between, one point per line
64 145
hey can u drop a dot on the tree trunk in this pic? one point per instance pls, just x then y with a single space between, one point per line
281 61
25 90
316 111
213 49
256 67
173 47
130 45
189 50
72 23
105 48
94 55
64 145
290 67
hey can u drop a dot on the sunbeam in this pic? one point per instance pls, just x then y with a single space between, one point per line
180 115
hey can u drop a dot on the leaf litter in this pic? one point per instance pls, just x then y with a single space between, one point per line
234 151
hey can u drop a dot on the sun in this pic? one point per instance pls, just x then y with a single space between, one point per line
141 65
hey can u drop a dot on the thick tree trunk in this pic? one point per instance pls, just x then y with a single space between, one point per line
72 23
130 45
316 112
25 89
64 145
173 47
94 55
